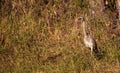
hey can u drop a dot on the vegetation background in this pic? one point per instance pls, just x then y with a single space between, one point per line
42 36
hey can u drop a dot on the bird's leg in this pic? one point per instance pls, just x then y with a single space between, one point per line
91 50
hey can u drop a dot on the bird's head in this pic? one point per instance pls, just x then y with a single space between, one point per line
81 18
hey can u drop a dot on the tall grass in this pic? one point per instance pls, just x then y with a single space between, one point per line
42 37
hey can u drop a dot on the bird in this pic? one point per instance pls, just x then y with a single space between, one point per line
89 41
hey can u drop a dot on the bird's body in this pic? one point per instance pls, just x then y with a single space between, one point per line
89 41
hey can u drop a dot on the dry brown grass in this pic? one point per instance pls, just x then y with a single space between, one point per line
43 37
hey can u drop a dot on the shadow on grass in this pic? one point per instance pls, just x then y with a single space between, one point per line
100 55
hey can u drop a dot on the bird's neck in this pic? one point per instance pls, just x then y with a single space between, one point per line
84 28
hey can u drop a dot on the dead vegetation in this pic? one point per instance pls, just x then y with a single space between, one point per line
42 37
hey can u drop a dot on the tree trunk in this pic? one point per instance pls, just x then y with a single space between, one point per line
118 7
